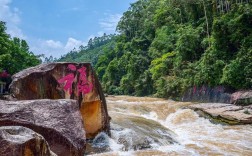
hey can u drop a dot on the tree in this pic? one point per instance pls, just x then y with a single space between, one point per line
14 51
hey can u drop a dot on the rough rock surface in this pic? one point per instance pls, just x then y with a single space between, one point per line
21 141
66 81
205 93
58 121
229 113
242 98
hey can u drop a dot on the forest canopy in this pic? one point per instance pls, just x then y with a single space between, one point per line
14 53
162 48
166 46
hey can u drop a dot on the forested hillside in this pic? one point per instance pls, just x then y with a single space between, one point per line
14 53
167 46
90 53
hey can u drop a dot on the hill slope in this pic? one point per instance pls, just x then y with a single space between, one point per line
168 46
91 52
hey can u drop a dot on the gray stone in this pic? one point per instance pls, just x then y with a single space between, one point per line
66 81
21 141
58 121
229 113
242 98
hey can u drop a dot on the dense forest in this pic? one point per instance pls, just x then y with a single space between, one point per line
14 53
166 46
162 48
96 47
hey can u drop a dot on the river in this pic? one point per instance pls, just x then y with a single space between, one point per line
144 126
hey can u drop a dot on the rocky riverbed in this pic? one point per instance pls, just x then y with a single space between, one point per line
228 113
143 126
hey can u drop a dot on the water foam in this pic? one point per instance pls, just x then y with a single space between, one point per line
195 135
135 102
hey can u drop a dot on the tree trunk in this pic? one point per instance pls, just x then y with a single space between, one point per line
208 35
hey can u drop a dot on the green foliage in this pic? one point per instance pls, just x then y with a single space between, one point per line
91 52
238 73
162 66
164 41
166 46
13 52
188 44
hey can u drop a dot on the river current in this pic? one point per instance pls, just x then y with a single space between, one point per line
143 126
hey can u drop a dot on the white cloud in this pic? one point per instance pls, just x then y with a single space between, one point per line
109 23
91 36
53 44
39 46
75 9
55 48
12 19
73 43
72 9
100 33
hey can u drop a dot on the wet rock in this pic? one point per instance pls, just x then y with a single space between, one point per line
242 98
228 113
58 121
66 81
21 141
99 144
101 140
206 93
130 133
137 133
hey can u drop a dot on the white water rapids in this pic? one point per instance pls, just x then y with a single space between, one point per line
152 126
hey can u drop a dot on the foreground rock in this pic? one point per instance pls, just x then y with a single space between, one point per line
66 81
21 141
228 113
58 121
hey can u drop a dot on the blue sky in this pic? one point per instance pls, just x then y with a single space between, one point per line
54 27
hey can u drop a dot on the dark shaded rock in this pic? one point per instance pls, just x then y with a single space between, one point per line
205 93
99 144
21 141
66 81
242 98
101 140
58 121
228 113
7 97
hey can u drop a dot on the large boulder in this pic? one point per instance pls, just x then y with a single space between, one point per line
66 81
21 141
228 113
242 98
58 121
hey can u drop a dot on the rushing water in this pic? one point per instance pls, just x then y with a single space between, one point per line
152 126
